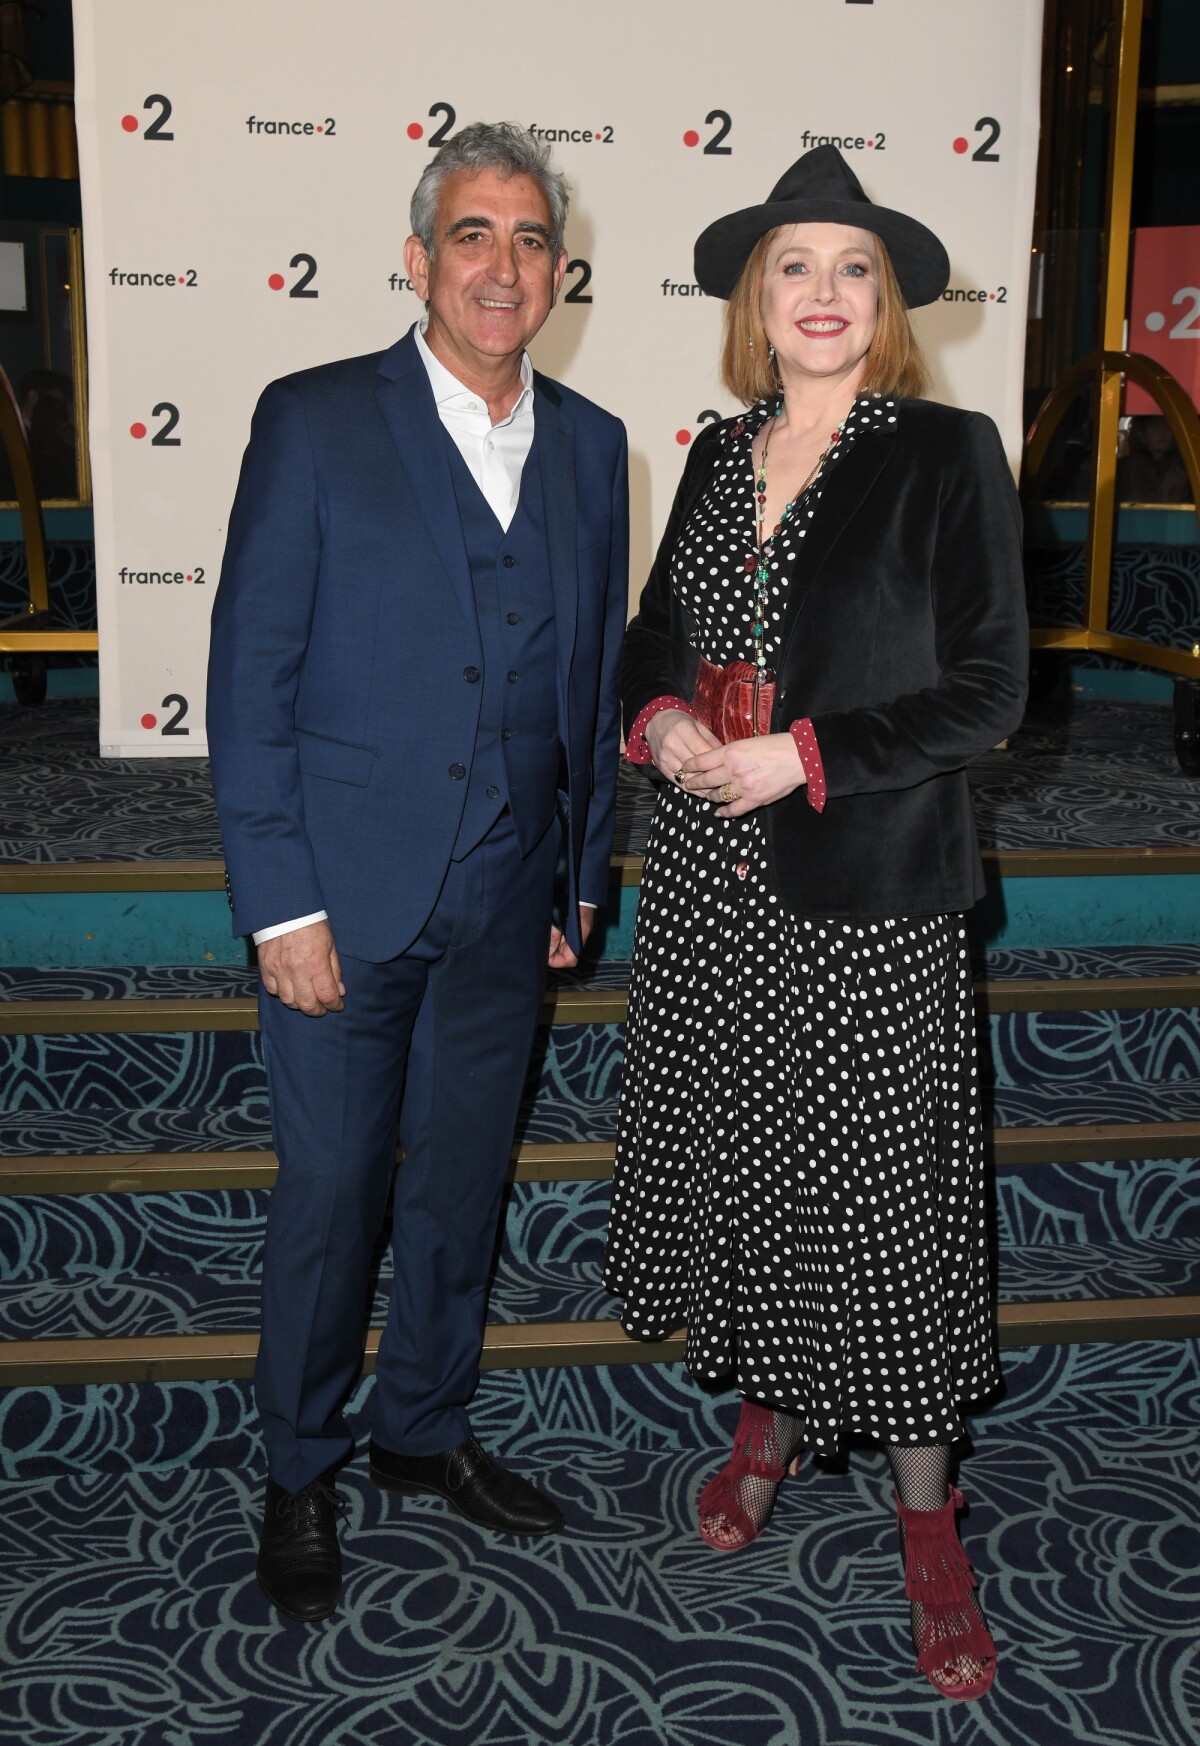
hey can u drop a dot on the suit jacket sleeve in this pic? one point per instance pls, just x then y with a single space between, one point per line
597 844
980 631
261 620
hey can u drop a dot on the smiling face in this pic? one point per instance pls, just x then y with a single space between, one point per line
493 276
820 299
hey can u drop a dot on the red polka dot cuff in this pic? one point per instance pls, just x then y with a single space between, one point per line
810 756
636 748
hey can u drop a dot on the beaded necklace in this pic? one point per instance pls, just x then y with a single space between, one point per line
759 563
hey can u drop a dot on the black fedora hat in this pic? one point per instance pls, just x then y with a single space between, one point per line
821 188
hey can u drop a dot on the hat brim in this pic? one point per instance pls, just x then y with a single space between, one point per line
920 262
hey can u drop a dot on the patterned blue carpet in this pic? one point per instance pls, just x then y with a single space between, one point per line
128 1589
188 1262
127 1539
1083 774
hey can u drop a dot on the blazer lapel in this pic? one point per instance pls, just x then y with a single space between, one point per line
843 496
556 447
406 401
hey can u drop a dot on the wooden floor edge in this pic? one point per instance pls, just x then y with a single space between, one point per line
537 1345
546 1161
203 874
142 1015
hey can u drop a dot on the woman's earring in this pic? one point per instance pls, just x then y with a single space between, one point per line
771 353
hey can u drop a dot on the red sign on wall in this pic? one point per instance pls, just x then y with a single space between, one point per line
1164 312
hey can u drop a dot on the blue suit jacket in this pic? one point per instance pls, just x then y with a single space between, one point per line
343 622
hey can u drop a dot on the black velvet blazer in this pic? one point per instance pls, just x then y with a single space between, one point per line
905 640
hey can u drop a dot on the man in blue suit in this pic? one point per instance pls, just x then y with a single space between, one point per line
413 723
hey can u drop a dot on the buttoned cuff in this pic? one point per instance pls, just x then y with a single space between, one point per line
637 751
804 735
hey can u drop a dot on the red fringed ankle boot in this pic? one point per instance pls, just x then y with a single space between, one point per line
747 1483
954 1647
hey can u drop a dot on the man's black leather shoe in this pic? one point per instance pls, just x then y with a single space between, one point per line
299 1560
470 1480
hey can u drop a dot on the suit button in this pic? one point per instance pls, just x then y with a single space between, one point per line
783 694
742 869
513 677
458 771
512 618
470 674
509 560
493 794
507 734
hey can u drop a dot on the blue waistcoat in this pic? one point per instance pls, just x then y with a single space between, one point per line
516 758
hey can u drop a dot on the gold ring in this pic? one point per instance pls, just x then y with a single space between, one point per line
729 794
679 777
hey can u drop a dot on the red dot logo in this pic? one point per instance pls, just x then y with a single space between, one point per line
415 130
961 144
276 281
149 721
320 129
189 575
691 137
683 437
871 142
137 431
991 296
129 123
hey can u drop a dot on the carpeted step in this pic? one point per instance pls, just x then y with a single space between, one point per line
1081 963
1077 1102
90 1266
117 1237
1087 771
1141 1389
60 1094
549 1292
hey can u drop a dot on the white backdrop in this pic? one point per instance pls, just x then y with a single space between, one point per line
247 167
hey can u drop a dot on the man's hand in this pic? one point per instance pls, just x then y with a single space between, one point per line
561 955
758 770
673 737
302 969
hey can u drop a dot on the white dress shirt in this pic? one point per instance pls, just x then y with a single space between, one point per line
495 455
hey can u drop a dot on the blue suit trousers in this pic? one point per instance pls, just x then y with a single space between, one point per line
439 1039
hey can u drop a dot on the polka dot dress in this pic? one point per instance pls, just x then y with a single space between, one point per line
799 1173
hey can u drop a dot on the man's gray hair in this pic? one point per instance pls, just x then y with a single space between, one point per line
501 146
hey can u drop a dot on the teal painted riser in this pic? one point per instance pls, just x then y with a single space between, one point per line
79 928
192 927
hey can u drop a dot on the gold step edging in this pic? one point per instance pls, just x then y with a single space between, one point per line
156 1014
560 1161
27 877
538 1345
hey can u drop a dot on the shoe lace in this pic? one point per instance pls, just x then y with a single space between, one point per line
313 1501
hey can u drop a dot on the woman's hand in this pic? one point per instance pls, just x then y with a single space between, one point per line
674 737
758 770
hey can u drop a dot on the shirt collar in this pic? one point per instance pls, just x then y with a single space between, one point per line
449 392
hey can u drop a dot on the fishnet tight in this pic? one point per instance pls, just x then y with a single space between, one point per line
782 1442
922 1483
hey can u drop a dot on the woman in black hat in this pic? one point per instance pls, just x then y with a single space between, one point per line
833 629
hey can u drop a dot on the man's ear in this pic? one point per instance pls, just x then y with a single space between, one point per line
560 268
416 265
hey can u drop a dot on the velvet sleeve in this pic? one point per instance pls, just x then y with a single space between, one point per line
981 638
649 666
